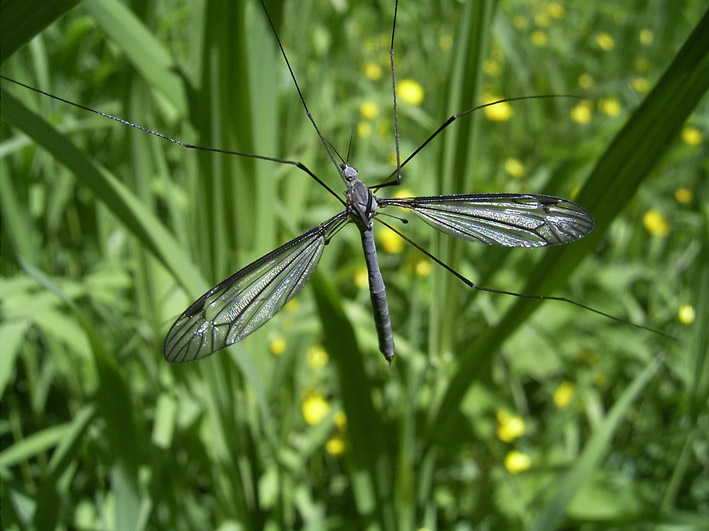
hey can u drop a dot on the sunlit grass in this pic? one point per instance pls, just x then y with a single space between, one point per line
304 424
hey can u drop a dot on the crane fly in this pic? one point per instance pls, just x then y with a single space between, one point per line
246 300
242 303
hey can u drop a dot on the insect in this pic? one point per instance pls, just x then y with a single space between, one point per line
243 302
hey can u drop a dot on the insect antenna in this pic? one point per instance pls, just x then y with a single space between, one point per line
300 93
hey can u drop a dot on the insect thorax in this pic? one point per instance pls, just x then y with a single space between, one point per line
361 203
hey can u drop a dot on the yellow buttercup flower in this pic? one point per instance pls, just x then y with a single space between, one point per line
555 10
369 110
609 106
520 22
516 462
683 196
581 113
361 278
655 223
542 20
445 42
423 268
500 112
585 81
335 445
640 84
563 394
410 92
340 420
692 136
277 346
514 168
686 314
317 357
509 426
646 37
364 129
390 241
540 38
605 41
372 71
315 408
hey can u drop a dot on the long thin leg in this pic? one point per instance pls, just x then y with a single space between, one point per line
393 88
472 285
185 145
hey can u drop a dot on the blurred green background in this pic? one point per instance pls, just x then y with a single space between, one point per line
497 412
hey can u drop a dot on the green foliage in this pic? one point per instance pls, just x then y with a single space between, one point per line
497 412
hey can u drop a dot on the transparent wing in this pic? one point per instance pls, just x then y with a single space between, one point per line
510 220
243 302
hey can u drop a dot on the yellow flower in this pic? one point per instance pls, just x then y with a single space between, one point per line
514 168
315 408
390 241
291 305
683 196
555 10
581 113
278 346
605 41
372 71
317 357
692 136
655 223
542 20
410 92
364 129
642 64
509 427
445 42
585 81
361 278
516 462
563 394
686 314
335 445
539 38
520 22
609 106
500 112
423 268
491 68
639 84
646 37
369 110
340 420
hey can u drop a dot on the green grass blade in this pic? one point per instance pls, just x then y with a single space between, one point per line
106 188
142 48
23 19
598 445
619 172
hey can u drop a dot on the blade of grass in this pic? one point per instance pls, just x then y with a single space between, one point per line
106 188
598 445
23 19
621 169
144 51
372 478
